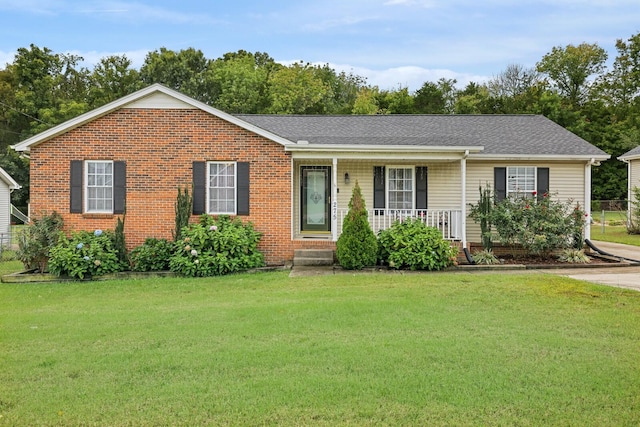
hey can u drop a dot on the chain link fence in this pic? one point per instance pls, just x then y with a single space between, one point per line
607 214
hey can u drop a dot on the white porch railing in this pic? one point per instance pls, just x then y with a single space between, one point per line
448 221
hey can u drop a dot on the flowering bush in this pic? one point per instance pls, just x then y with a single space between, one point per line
152 255
412 244
85 254
216 247
538 225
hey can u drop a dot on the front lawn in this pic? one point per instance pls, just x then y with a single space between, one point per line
354 349
614 234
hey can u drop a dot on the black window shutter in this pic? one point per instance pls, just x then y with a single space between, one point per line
543 182
199 187
243 188
421 187
500 183
119 187
378 187
75 193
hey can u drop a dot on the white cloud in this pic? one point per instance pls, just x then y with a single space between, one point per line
91 58
6 58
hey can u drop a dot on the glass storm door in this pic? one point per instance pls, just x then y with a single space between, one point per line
315 198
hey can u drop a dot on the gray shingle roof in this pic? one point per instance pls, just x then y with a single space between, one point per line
499 134
631 153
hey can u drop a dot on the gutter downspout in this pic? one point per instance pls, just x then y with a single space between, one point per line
628 192
463 187
587 198
334 200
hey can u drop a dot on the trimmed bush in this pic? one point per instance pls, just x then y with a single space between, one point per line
357 246
413 245
216 247
85 254
152 255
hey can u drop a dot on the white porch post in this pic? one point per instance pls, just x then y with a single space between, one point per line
463 188
334 200
587 199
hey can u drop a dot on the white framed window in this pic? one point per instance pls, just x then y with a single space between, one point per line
98 186
400 187
221 187
521 180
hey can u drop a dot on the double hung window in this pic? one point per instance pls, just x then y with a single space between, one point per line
222 184
400 188
99 186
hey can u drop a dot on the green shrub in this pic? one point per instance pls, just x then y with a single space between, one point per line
576 256
633 224
485 257
412 244
36 240
540 226
357 246
119 242
152 255
481 213
85 254
183 207
216 247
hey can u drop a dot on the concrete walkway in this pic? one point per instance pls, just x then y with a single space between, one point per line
620 276
618 249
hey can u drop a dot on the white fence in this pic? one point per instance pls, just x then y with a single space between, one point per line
448 221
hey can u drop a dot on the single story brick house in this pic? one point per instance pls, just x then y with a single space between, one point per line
632 158
292 176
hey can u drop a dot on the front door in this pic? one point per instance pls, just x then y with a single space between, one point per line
315 198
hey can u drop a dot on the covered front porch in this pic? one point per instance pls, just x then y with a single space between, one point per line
395 188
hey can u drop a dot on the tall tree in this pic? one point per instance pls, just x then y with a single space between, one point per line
241 82
186 71
569 68
298 89
112 78
429 99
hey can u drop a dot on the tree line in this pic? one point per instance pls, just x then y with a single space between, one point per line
571 85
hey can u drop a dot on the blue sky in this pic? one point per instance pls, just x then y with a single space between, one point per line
392 43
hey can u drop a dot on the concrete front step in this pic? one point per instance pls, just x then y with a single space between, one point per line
313 257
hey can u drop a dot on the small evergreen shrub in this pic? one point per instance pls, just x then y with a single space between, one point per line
216 247
481 213
37 239
152 255
119 242
357 246
183 207
412 244
85 254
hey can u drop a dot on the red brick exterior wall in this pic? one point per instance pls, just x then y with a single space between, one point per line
159 147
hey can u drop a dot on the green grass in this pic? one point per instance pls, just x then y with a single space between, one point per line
610 217
614 234
365 349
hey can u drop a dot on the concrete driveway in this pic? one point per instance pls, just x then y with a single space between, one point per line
622 277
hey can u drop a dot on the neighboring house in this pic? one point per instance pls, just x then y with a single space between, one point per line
7 185
292 176
632 158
